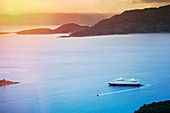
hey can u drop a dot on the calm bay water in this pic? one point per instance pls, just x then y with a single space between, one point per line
60 75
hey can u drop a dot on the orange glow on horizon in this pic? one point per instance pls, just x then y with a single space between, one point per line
72 6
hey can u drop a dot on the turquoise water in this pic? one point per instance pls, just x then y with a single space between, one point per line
60 75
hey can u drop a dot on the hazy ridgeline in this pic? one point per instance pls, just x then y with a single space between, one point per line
52 18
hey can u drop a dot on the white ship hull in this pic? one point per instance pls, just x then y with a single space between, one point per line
123 82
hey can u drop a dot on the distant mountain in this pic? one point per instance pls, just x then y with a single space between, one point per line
66 28
52 18
149 20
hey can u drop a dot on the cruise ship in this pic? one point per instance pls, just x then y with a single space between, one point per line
123 82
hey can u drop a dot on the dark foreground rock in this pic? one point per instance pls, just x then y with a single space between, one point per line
149 20
6 82
66 28
155 107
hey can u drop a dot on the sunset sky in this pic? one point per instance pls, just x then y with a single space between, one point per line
75 6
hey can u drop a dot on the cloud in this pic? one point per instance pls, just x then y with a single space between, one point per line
151 1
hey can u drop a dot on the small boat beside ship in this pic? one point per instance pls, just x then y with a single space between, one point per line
124 82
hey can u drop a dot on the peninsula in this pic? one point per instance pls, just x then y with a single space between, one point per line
6 82
66 28
5 32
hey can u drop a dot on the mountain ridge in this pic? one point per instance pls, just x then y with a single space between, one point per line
148 20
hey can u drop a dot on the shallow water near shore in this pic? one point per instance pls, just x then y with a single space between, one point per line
64 75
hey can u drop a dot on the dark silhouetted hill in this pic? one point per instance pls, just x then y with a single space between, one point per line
149 20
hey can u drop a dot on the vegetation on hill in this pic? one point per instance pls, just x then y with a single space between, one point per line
155 107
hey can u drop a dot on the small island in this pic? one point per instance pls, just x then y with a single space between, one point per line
155 107
6 82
